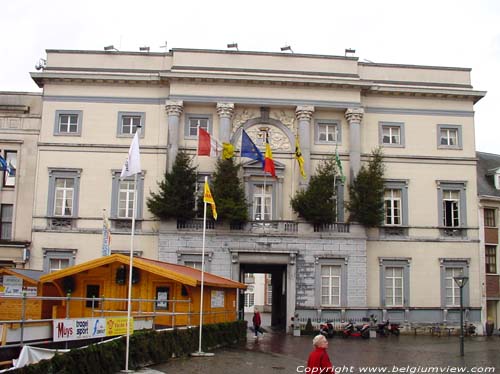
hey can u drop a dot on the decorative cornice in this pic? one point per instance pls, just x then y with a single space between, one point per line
174 107
354 114
304 112
225 110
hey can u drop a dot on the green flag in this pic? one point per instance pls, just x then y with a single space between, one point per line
339 164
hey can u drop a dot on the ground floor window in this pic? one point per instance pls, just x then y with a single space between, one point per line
330 285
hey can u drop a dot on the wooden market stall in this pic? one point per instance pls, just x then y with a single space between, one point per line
169 293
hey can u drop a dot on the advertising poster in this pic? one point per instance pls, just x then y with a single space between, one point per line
217 299
118 326
81 328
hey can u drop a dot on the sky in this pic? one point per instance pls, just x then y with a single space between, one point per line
455 33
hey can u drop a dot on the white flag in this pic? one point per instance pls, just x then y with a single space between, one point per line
133 163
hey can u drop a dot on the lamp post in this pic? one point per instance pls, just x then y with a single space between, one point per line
461 281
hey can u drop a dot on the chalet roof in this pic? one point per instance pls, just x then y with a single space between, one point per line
32 276
179 273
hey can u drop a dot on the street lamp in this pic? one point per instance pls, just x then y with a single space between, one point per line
461 281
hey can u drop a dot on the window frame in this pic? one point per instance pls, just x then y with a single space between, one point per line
384 264
457 128
121 115
401 185
322 261
488 220
10 181
60 254
460 187
327 122
6 222
115 189
57 122
456 263
400 125
187 124
491 265
54 174
184 257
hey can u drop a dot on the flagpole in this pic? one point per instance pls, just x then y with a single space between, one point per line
200 353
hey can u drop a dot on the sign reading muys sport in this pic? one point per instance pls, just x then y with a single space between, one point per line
81 328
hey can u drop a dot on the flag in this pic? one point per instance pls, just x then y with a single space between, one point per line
208 199
12 170
227 151
299 158
207 144
106 234
8 167
249 149
339 164
133 163
268 161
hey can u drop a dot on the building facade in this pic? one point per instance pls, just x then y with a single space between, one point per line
422 117
20 118
488 185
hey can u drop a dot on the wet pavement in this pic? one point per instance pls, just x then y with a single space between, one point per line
280 353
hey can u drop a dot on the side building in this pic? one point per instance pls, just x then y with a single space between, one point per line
20 118
421 116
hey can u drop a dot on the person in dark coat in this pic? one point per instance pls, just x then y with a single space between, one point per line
256 320
318 358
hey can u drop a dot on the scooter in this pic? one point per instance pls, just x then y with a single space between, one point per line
358 331
387 328
326 329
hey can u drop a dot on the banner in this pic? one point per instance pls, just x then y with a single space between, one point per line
76 329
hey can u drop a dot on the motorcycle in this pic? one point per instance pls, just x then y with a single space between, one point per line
326 329
362 331
386 328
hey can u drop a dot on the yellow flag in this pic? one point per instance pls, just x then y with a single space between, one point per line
299 158
208 198
227 151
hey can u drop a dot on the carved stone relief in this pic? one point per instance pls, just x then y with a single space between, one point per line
277 139
243 115
285 117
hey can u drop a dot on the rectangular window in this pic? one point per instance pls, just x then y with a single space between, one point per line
449 136
68 122
6 221
391 135
451 288
330 285
126 199
249 299
489 217
193 264
451 208
269 295
128 122
92 291
491 259
394 286
327 132
262 202
204 121
56 264
58 259
64 193
9 176
392 201
162 297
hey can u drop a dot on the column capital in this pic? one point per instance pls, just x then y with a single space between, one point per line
225 110
354 114
174 107
304 112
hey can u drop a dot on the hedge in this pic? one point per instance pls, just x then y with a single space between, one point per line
146 348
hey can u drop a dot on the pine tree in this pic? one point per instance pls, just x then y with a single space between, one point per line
316 204
366 193
176 197
228 193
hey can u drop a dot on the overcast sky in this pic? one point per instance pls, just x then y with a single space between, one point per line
455 33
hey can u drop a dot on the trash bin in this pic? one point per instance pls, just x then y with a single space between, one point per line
295 325
490 326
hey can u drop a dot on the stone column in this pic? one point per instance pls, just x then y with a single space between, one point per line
354 117
174 110
304 114
225 112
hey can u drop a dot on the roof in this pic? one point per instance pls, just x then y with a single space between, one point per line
486 164
179 273
32 276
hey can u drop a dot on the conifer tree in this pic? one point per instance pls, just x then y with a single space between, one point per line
316 204
228 192
366 193
176 197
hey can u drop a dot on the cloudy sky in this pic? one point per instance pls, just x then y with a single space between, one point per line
426 32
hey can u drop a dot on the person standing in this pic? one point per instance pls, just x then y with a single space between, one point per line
318 358
256 320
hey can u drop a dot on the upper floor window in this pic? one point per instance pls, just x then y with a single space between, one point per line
489 217
6 215
491 259
128 122
392 201
58 259
449 136
262 202
327 131
195 120
68 122
9 175
64 187
123 194
391 134
452 212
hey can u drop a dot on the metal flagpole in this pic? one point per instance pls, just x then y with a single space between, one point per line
200 353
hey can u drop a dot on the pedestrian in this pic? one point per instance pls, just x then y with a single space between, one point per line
256 323
318 358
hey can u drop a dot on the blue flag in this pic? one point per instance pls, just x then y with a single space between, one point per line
7 167
249 149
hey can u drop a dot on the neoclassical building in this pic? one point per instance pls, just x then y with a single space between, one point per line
421 116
